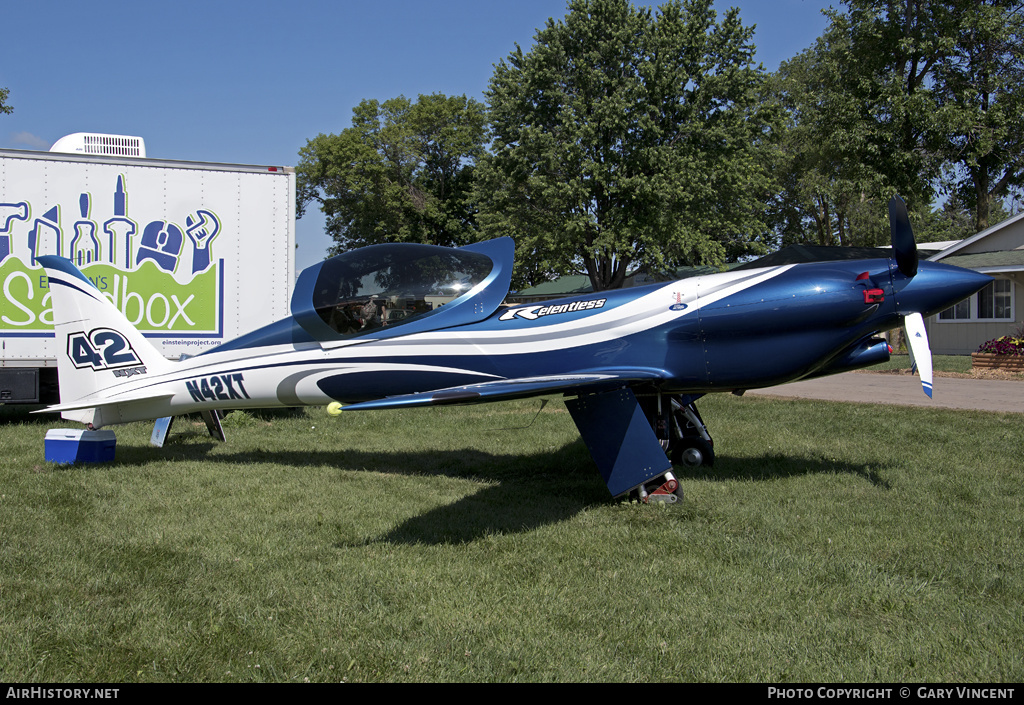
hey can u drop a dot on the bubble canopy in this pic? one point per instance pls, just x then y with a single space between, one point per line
398 288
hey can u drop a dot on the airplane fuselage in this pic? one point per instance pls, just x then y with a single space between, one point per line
722 332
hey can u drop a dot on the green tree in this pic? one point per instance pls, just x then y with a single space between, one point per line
402 173
862 121
626 138
4 107
980 105
889 52
826 187
902 96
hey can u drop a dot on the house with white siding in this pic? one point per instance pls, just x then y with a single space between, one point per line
997 309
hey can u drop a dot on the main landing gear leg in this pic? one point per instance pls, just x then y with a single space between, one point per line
684 437
690 443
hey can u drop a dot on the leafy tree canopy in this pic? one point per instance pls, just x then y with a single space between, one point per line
626 138
402 173
4 107
979 105
856 131
900 96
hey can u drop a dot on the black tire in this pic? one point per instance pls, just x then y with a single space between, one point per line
693 452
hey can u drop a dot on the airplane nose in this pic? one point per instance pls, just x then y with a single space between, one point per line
935 287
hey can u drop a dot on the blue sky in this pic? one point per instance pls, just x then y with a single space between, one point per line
250 82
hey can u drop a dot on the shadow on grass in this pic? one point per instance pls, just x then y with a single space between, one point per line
516 494
508 508
526 503
522 493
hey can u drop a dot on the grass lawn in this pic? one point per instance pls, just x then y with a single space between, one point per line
830 543
940 363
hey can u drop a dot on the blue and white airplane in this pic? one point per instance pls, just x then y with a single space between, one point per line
631 362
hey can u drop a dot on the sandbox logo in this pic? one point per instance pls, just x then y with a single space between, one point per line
162 275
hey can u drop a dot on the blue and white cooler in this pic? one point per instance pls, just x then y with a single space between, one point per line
69 445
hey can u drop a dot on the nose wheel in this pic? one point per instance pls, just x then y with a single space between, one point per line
693 452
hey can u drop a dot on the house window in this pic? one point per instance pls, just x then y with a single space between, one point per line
993 303
996 300
959 312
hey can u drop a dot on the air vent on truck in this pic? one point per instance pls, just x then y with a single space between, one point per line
106 145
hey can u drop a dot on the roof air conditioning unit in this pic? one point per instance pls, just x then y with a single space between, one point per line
105 145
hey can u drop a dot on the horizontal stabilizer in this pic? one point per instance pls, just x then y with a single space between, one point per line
97 402
588 381
99 413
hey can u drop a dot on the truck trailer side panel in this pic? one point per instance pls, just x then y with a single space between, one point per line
193 253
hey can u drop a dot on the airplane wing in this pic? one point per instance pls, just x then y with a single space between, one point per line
583 381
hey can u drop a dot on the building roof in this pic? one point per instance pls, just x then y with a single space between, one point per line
937 246
1004 231
1002 261
563 286
798 254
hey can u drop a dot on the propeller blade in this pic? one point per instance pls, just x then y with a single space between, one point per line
903 246
920 354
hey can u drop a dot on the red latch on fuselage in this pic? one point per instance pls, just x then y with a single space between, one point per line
871 296
874 296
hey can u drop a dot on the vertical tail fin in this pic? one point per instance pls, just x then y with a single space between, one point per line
97 347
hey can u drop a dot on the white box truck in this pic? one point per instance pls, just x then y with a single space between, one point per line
193 253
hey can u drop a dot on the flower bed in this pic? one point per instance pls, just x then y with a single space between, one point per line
1003 353
992 361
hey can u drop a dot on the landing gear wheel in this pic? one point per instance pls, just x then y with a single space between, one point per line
693 452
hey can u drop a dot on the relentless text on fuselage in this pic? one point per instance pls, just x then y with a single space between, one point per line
534 312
